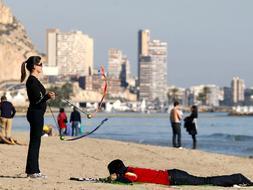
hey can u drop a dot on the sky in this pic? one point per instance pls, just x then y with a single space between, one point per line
209 41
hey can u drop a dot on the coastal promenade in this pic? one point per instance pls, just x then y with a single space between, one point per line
89 157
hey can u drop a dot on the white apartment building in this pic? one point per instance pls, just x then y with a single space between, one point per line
237 88
118 65
71 52
152 68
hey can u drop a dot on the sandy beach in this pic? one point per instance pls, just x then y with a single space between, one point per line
89 157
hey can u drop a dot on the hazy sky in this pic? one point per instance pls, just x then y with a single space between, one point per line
209 41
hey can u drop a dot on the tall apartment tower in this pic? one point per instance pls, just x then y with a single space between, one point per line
126 70
143 40
71 52
115 57
237 89
146 78
152 68
158 53
118 66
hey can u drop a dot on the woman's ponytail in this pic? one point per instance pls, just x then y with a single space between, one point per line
23 72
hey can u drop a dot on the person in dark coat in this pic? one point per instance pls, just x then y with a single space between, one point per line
7 113
190 123
75 120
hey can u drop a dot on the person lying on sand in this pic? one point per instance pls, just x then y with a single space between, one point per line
119 172
9 141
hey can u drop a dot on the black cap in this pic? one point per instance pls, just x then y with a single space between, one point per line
117 166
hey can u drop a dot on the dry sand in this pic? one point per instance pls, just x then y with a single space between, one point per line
89 157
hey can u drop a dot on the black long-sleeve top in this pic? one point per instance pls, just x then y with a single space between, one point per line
7 109
36 94
75 116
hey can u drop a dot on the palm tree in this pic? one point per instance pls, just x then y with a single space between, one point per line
172 95
203 95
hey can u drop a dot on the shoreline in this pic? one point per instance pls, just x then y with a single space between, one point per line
89 157
23 133
55 134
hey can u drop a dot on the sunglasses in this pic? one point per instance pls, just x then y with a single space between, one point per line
39 64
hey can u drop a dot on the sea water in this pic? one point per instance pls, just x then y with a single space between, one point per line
217 132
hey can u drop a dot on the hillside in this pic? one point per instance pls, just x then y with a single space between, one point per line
15 45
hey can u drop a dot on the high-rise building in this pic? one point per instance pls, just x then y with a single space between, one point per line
125 72
152 68
114 63
146 78
227 96
237 89
118 66
158 53
71 52
143 40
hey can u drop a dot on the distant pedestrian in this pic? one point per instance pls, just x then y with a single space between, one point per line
175 119
62 121
7 113
190 123
75 120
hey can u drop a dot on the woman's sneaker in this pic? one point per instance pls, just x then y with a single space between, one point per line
37 175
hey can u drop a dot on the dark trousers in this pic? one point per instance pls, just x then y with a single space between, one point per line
180 177
194 140
75 129
176 129
62 131
36 120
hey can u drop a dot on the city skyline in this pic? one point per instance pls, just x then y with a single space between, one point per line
208 42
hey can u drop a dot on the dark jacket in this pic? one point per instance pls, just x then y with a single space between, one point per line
75 116
190 125
7 109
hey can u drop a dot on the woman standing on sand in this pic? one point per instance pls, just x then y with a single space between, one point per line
190 123
35 115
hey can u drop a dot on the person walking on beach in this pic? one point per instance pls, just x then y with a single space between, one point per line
190 123
119 172
62 120
175 119
7 113
37 97
75 120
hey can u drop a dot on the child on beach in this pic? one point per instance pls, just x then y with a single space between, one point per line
119 172
62 120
